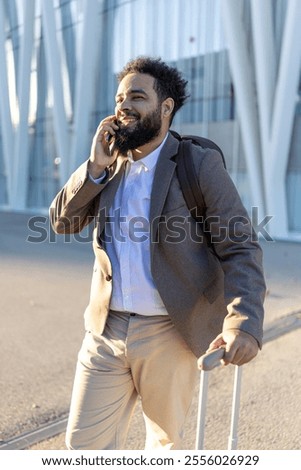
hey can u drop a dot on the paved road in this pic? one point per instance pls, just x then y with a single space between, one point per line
44 289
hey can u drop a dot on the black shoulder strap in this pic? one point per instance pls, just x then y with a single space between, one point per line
187 175
189 182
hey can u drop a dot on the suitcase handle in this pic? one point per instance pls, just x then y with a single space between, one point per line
211 359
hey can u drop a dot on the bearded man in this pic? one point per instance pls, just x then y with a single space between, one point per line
157 301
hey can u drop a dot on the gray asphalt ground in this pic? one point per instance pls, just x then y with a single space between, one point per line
44 288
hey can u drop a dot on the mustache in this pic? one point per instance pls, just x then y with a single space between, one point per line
128 114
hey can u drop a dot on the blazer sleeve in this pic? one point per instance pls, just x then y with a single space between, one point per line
236 245
76 205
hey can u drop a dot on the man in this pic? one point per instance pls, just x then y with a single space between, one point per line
158 299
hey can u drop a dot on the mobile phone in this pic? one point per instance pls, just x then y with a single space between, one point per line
110 139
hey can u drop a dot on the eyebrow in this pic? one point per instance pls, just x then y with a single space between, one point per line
135 90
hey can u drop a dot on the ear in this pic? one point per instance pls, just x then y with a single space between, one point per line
167 107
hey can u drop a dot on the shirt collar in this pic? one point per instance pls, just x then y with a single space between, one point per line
150 160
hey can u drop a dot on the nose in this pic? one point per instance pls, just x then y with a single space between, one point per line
123 105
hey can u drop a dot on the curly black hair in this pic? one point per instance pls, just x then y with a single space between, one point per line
168 80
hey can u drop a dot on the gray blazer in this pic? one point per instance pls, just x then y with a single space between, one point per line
205 290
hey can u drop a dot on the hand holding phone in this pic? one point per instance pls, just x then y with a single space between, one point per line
110 139
102 152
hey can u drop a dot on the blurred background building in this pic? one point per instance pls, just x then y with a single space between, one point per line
242 58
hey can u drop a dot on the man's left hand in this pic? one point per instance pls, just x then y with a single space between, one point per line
240 347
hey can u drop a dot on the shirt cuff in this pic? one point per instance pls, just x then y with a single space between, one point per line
99 179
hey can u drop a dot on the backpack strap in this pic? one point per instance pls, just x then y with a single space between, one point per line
187 176
189 182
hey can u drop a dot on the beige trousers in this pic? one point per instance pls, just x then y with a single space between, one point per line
136 356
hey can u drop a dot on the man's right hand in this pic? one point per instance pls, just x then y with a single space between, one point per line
100 154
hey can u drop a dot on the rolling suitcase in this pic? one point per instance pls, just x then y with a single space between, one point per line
206 363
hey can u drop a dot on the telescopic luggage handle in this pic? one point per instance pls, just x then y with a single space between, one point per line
211 359
206 363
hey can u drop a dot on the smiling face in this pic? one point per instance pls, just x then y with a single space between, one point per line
139 113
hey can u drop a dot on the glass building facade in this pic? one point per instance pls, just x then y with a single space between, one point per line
58 66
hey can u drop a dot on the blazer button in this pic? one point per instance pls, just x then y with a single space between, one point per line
108 277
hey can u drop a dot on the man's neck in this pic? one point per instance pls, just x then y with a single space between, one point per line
148 148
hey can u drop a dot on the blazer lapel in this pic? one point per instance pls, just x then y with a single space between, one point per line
108 193
163 175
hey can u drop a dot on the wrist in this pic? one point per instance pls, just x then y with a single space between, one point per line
95 170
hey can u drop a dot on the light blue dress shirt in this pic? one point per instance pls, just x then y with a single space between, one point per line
127 240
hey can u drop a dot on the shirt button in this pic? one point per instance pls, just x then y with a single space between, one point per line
108 277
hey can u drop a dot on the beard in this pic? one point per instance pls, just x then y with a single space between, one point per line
141 133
